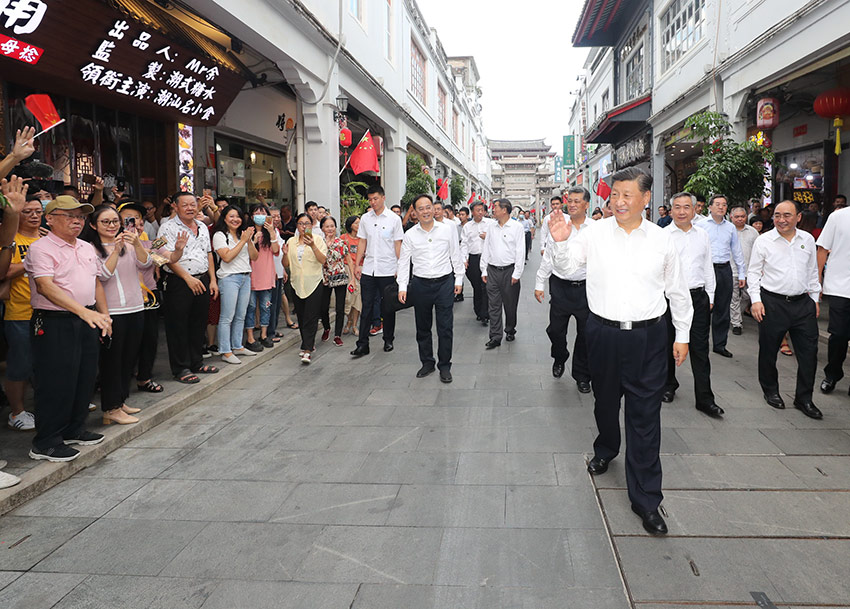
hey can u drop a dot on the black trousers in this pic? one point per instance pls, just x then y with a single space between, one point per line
185 323
568 299
339 303
149 344
501 293
64 368
429 297
527 243
797 318
697 349
479 288
371 290
308 311
630 363
839 337
720 314
119 359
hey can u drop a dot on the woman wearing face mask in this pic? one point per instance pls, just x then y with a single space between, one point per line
262 279
306 253
233 241
121 255
337 276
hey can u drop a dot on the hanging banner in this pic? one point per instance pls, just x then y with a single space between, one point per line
569 151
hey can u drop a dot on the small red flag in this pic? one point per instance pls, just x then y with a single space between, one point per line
365 157
603 190
43 109
471 199
443 193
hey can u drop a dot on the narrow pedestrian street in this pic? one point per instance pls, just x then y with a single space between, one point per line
349 483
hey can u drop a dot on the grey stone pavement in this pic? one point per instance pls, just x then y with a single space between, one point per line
353 485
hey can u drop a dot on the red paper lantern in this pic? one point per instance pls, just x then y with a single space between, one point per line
834 104
345 137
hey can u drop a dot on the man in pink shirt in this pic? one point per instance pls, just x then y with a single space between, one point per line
69 318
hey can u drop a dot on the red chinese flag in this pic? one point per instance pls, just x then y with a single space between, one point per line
43 109
365 157
471 199
443 193
603 190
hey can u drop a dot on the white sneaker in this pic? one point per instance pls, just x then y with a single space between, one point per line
231 359
7 480
22 422
3 463
244 352
306 357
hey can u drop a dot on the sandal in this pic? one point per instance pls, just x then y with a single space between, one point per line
207 370
149 386
187 377
785 349
293 325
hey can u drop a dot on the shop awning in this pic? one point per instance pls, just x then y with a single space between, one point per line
601 22
621 122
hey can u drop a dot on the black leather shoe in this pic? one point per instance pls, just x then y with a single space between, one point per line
510 337
425 370
724 352
446 376
485 321
737 330
492 343
583 386
775 400
712 410
668 396
557 370
478 318
388 346
598 465
653 523
360 352
826 386
808 409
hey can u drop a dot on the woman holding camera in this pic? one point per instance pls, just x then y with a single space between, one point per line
337 276
306 254
121 255
263 278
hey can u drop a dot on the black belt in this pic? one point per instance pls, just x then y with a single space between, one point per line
721 264
52 313
698 290
571 283
434 279
629 325
501 268
783 296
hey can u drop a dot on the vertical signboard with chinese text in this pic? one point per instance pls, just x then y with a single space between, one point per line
569 151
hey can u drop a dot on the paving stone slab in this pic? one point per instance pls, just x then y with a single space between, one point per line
407 468
249 551
25 540
428 416
810 441
280 595
401 397
820 472
7 577
135 463
506 468
121 547
204 500
550 439
728 442
37 590
448 506
175 436
456 396
351 504
463 439
552 507
375 439
401 555
112 591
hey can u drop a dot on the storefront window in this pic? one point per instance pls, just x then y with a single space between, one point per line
251 175
799 176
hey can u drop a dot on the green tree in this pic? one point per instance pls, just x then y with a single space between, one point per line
457 190
735 169
352 201
418 181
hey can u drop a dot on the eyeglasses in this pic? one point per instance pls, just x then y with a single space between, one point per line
109 222
32 212
71 218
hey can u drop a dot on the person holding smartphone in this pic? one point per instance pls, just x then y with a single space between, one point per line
305 256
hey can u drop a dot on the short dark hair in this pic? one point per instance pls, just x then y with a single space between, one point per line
579 190
396 206
718 196
376 189
633 174
423 196
438 202
310 204
476 204
505 204
176 196
349 222
839 195
556 198
464 209
326 219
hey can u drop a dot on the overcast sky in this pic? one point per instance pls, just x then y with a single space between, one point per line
524 56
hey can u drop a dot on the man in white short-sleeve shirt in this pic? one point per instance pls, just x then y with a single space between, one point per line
834 268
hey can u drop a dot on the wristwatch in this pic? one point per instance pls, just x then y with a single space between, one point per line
11 246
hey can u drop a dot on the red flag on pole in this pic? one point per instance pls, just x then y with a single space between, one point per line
471 199
44 111
603 190
365 157
443 193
